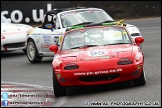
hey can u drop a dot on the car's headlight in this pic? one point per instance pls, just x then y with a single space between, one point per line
71 66
135 34
138 56
2 37
124 61
57 60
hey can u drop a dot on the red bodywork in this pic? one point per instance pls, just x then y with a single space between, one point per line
78 67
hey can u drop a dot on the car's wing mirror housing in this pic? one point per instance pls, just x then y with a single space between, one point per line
53 48
139 40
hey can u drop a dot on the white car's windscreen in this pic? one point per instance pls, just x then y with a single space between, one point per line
89 16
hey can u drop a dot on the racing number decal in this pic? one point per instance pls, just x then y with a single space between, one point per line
56 39
97 53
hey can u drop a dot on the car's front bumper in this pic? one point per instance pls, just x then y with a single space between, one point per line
98 77
11 45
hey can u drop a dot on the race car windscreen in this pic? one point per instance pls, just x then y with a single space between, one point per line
84 17
94 37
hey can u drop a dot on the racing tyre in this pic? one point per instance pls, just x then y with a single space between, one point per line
57 88
32 52
141 80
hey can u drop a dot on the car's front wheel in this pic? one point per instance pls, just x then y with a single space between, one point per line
57 88
32 52
141 80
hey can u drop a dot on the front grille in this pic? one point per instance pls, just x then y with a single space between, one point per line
14 45
98 78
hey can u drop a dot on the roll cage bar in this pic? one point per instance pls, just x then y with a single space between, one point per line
55 12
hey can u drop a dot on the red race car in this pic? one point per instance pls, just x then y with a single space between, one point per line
97 55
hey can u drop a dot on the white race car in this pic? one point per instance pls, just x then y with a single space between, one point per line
13 36
51 32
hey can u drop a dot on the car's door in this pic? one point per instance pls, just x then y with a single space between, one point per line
49 37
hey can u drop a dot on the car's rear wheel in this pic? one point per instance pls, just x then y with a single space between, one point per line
141 80
32 52
57 88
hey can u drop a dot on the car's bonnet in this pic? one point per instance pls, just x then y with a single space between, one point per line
91 53
12 26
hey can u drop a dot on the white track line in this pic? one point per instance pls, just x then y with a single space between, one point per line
27 84
58 101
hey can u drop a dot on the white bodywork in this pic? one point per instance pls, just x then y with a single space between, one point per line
134 31
13 36
43 38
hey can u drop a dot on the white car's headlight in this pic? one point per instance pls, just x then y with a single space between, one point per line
2 37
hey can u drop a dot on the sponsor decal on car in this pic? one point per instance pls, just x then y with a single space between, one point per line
101 57
98 72
47 39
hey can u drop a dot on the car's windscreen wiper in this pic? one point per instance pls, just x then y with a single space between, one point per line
116 43
107 21
83 46
83 23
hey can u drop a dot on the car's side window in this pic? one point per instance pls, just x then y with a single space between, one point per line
57 24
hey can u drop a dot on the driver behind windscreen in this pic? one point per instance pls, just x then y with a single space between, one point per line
77 41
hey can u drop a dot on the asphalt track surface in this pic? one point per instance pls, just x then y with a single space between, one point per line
18 76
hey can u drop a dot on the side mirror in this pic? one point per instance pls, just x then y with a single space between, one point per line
53 48
9 20
139 40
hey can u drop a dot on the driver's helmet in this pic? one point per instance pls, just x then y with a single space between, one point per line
75 41
96 38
